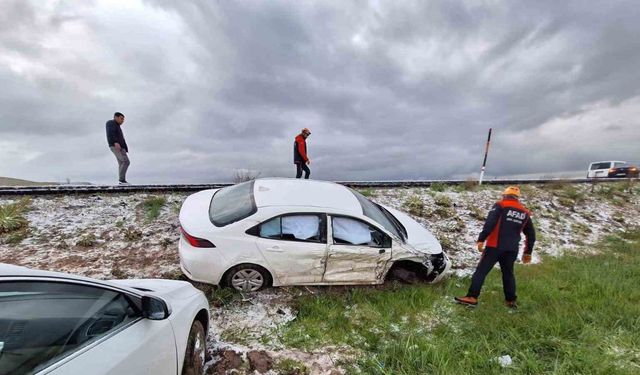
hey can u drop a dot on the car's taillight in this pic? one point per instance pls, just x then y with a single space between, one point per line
195 241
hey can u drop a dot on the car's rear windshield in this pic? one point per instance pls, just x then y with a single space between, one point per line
373 212
604 165
232 203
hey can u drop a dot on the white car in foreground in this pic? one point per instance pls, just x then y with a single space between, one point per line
55 323
300 232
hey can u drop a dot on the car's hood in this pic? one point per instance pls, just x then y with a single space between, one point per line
169 290
418 236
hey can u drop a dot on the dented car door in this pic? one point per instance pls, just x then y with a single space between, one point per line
295 246
358 251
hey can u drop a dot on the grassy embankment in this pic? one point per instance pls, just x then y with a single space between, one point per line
578 314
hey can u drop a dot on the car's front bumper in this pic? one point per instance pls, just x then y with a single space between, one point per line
441 265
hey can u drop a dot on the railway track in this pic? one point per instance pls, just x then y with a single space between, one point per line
93 189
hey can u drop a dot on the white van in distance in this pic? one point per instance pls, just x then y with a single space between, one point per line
611 169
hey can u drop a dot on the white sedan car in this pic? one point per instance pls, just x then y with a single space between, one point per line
55 323
300 232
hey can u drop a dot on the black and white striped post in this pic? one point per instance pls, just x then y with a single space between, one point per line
484 162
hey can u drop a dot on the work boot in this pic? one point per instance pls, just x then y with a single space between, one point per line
511 304
466 300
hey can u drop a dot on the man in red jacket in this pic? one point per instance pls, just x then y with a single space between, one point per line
506 220
300 158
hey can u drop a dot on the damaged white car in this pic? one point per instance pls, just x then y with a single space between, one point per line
273 232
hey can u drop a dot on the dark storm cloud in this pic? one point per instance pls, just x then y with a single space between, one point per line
391 90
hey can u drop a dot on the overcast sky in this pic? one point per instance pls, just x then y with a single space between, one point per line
389 89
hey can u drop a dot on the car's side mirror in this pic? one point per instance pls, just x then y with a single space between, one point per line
154 308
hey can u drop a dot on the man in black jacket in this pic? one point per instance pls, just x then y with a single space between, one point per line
118 145
506 220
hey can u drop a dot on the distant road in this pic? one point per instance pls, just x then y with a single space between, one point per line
91 189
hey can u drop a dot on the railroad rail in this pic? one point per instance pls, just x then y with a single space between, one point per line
93 189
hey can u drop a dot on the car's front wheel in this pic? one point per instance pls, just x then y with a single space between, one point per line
196 348
248 278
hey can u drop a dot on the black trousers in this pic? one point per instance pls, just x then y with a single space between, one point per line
302 167
491 256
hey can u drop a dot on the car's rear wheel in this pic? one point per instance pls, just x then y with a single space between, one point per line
248 278
196 348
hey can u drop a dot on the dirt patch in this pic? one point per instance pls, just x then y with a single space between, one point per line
259 361
225 362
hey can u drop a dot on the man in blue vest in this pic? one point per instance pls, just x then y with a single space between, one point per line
506 220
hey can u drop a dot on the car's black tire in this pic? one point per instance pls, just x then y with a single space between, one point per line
194 356
404 276
247 278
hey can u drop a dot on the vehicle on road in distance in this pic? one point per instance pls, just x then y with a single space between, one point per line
278 231
612 169
60 324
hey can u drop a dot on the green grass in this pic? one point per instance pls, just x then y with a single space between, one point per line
477 213
289 366
12 215
414 205
152 207
438 186
131 234
87 240
15 237
367 192
577 315
442 200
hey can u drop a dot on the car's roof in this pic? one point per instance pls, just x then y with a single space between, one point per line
608 161
307 193
12 270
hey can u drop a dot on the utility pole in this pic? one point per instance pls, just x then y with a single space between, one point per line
486 152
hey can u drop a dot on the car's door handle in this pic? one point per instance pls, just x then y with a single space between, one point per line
381 251
275 249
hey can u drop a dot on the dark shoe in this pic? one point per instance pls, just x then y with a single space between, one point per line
469 301
511 304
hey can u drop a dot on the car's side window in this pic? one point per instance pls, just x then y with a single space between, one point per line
271 228
349 231
43 322
298 227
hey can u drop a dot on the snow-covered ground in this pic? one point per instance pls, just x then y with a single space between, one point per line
569 218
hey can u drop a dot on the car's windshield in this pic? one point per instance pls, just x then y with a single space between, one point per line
232 203
603 165
375 212
395 221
